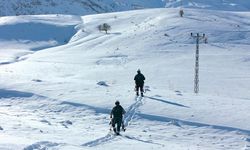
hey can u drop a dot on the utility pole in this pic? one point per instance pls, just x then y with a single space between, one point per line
198 37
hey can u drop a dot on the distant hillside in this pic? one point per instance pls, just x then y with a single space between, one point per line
74 7
83 7
228 5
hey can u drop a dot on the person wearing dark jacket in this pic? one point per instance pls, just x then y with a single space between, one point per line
117 115
139 82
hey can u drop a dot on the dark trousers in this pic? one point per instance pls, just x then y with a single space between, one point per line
117 121
137 87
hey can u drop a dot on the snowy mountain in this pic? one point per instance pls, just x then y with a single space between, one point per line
84 7
75 7
228 5
60 77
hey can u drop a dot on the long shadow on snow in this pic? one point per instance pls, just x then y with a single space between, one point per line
168 102
190 123
5 63
96 109
19 94
12 93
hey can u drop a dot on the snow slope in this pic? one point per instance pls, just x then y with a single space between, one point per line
24 35
60 97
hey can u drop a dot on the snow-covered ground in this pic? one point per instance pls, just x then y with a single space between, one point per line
50 98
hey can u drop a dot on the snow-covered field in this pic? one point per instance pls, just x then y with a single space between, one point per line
51 66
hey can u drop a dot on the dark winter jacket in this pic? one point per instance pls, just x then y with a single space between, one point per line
117 112
139 79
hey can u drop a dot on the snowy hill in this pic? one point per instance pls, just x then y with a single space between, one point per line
58 88
84 7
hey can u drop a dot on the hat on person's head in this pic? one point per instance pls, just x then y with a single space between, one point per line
117 103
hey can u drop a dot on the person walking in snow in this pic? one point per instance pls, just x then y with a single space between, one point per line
116 116
181 12
139 82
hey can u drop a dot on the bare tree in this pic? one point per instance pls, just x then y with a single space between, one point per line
104 27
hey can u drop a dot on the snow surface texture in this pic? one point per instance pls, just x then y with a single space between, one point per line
84 7
61 97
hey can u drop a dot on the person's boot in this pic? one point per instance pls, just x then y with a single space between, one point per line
118 132
137 93
141 94
123 127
